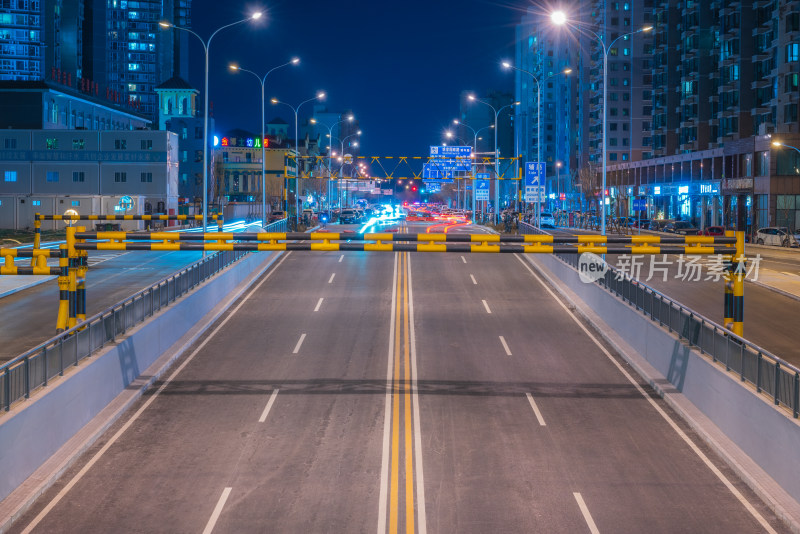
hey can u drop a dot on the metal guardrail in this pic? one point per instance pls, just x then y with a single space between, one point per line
36 367
772 376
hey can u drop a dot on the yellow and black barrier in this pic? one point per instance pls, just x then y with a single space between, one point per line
643 240
39 217
73 260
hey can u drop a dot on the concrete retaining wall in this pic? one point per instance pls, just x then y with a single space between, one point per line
35 430
767 435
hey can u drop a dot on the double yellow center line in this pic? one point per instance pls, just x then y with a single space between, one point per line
401 395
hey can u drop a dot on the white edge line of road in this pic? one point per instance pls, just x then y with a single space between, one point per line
387 412
586 515
422 523
212 521
155 395
713 468
268 407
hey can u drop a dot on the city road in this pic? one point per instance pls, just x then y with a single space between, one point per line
355 392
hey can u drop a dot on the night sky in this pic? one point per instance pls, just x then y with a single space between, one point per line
400 66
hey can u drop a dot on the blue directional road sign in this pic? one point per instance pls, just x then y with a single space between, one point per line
534 181
482 176
481 189
534 173
451 151
639 204
455 158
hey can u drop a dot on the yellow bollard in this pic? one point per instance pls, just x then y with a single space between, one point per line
83 268
37 237
63 290
739 264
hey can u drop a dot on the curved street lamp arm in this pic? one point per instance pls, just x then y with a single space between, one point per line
529 73
640 30
205 46
251 72
285 104
226 26
276 68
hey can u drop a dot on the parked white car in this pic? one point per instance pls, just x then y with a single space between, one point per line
546 220
779 237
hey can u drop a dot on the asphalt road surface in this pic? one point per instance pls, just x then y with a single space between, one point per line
29 316
364 392
770 318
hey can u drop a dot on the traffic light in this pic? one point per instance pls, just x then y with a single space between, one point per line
414 188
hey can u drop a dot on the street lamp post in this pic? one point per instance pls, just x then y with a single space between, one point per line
320 95
558 184
559 19
206 46
347 182
566 71
474 150
349 118
263 81
496 160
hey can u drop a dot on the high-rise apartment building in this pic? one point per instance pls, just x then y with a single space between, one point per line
115 44
39 35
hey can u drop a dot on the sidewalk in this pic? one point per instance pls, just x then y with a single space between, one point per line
12 284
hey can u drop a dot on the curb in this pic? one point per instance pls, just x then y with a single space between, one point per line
776 290
34 283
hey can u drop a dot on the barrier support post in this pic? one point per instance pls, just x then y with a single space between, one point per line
73 277
37 237
739 273
83 267
727 278
63 290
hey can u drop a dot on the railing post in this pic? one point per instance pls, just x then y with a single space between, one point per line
7 389
27 378
758 372
796 403
777 382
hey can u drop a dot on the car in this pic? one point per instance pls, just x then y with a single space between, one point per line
546 220
658 225
641 223
681 227
714 231
348 216
776 236
276 216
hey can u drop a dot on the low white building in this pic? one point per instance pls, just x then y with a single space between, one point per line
119 172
